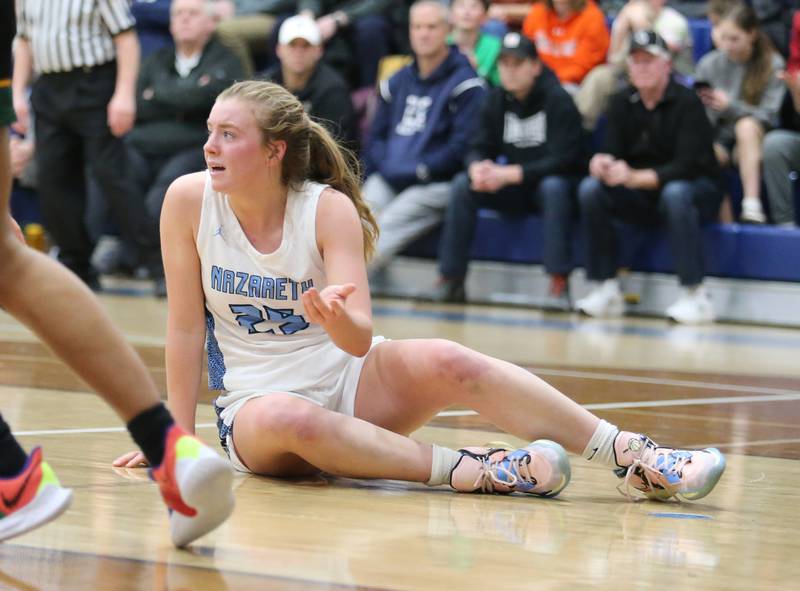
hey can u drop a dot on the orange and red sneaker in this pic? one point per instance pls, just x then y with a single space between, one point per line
32 498
195 483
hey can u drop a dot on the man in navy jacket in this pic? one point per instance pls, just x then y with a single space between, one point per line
526 156
425 118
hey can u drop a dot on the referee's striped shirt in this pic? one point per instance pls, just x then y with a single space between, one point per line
65 35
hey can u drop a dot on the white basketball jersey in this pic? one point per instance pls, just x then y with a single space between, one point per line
259 339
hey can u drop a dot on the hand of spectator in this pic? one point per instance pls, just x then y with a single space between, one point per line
599 164
618 173
478 172
22 110
792 81
121 113
21 154
494 178
715 98
224 9
327 26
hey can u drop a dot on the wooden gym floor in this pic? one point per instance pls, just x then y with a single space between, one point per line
735 387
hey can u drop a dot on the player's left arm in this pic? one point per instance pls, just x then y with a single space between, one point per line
343 307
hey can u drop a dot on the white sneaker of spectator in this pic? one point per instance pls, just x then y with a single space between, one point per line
752 212
693 307
604 301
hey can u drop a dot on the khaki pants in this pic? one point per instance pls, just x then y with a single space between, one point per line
595 92
247 35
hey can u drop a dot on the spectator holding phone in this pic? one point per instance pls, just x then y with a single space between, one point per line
743 99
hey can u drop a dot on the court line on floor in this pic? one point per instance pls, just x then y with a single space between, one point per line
683 334
92 430
752 443
660 403
267 579
611 377
788 396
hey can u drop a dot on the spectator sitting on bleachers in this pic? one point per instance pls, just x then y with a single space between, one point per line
356 35
742 96
637 15
526 157
782 146
658 169
571 37
426 115
320 88
175 91
480 48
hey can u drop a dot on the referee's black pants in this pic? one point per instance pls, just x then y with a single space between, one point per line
72 134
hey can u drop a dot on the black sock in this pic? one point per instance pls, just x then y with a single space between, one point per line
12 456
149 431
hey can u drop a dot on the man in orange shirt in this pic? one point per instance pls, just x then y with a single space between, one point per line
571 37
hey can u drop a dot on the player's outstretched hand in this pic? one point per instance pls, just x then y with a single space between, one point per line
327 305
132 459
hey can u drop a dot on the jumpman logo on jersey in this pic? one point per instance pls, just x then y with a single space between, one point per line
218 232
248 316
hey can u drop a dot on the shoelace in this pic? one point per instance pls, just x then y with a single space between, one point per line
489 471
645 466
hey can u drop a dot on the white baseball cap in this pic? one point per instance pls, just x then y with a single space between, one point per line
299 27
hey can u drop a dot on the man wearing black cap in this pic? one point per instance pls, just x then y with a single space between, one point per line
659 169
522 158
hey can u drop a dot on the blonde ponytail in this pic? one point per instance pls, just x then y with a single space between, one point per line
333 165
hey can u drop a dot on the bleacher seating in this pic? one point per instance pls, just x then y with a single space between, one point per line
701 37
732 250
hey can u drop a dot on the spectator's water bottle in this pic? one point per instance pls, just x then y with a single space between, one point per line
35 237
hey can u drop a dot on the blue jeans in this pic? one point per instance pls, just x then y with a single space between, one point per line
371 39
681 207
554 197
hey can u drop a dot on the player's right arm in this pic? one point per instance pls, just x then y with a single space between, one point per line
186 324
